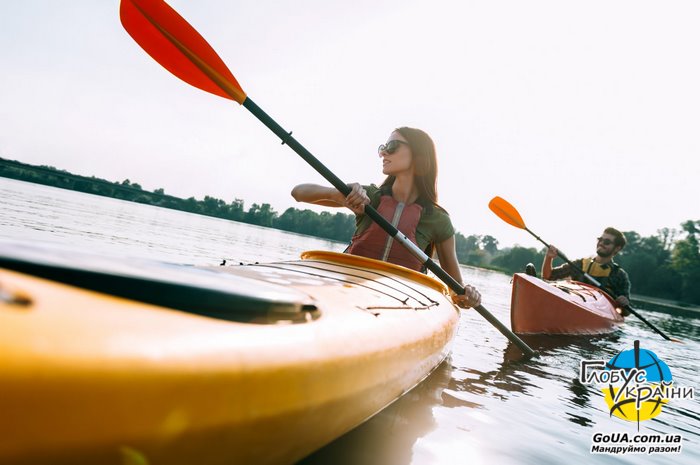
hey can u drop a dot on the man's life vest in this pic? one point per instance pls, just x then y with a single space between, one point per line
602 273
597 270
375 243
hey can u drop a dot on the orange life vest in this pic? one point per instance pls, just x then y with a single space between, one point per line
375 243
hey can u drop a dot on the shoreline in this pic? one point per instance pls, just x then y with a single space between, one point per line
670 307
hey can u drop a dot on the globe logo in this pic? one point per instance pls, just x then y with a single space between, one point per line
641 387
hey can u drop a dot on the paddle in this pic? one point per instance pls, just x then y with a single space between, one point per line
507 212
180 49
510 215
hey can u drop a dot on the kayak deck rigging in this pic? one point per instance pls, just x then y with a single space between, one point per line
390 289
578 291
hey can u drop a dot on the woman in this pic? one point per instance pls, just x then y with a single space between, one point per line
408 199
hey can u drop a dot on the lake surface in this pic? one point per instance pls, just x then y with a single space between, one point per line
482 406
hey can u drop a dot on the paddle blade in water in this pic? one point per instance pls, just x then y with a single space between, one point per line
506 212
178 47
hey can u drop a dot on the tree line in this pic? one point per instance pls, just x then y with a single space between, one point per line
338 226
665 265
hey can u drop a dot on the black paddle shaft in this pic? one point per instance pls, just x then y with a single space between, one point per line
370 211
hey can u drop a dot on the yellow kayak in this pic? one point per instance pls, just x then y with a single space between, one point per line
246 364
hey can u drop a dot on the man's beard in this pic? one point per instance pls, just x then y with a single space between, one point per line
603 254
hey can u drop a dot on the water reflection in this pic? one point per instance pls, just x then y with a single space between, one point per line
388 439
413 428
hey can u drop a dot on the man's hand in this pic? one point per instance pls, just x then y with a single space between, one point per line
551 252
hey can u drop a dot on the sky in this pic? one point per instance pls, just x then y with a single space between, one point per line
581 114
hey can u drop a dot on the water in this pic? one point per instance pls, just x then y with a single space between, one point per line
482 406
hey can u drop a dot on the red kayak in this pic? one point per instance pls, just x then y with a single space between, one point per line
560 307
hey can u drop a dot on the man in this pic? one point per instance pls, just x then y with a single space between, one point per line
612 278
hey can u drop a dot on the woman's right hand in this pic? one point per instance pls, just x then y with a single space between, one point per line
551 252
356 199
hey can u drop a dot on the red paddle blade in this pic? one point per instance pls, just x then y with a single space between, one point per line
506 212
178 47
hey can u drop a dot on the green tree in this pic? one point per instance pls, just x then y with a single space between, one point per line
468 248
515 258
308 222
647 261
342 227
262 215
489 244
213 207
287 221
686 261
236 211
338 226
191 205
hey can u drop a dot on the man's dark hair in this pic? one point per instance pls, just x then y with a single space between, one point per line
620 240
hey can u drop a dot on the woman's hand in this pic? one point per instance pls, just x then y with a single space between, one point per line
471 298
551 252
356 199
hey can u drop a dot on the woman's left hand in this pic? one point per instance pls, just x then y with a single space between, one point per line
471 298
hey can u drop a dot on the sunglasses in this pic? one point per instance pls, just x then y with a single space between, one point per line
391 146
605 242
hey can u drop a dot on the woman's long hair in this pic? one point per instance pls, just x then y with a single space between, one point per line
424 162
